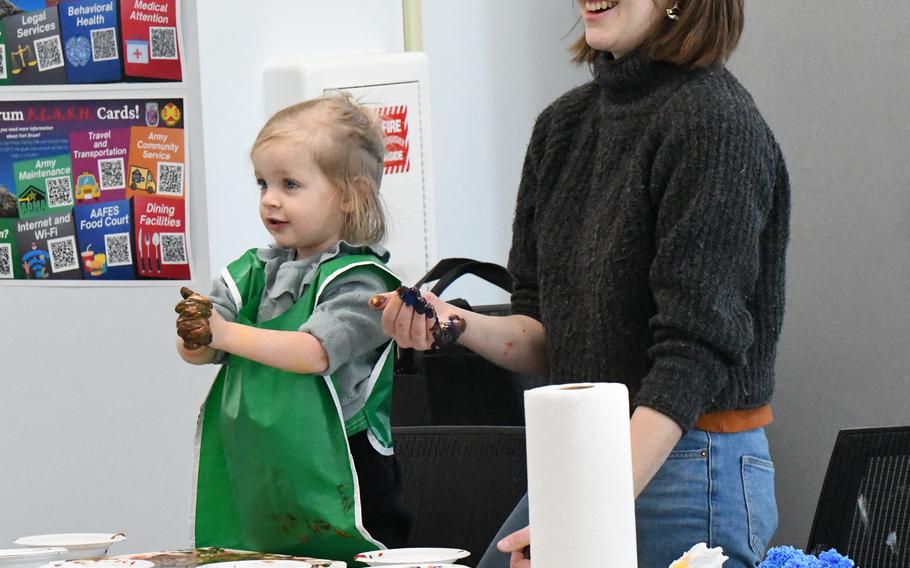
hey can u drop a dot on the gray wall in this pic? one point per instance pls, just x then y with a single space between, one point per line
832 78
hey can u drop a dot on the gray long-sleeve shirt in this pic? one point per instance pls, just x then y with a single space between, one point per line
349 331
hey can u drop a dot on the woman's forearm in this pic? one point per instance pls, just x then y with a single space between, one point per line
517 343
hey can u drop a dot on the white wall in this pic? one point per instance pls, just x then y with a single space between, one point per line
494 66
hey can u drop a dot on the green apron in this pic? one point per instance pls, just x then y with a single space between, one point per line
275 471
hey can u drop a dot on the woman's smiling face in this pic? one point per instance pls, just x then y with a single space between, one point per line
619 26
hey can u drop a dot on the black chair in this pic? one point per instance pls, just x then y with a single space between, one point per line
461 482
864 507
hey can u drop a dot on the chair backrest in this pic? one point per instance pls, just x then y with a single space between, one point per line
461 482
864 507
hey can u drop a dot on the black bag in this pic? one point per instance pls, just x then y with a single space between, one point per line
454 385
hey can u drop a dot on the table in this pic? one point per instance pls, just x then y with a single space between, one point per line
195 558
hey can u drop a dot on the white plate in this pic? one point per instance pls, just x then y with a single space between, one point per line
412 556
424 566
31 553
100 563
78 545
29 557
261 564
72 541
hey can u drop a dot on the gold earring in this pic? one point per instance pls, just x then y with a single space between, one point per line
673 13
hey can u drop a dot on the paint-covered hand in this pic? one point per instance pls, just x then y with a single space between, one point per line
193 321
418 320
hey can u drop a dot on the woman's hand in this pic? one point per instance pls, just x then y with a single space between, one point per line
519 544
403 324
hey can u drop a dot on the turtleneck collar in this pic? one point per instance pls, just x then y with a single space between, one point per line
633 77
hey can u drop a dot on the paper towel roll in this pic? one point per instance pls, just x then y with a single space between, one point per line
580 489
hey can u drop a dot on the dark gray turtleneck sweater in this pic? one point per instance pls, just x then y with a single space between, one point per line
650 234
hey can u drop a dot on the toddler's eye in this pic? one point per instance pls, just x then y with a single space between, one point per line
290 184
261 183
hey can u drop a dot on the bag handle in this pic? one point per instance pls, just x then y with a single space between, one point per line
491 272
443 266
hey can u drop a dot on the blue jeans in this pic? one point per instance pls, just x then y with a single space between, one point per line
713 488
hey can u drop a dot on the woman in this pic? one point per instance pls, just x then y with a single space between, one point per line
648 248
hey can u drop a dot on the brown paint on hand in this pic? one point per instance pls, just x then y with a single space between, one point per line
378 301
193 320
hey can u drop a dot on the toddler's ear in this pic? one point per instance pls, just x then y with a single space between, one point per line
359 188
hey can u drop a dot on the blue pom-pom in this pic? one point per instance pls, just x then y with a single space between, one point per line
789 557
833 559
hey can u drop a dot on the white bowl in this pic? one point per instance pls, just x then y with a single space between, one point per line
101 563
411 556
431 565
30 557
78 545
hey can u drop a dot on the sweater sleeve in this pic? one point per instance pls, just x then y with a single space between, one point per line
523 254
223 303
712 181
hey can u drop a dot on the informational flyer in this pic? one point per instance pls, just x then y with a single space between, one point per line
57 42
94 190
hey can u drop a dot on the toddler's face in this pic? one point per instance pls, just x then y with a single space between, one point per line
297 203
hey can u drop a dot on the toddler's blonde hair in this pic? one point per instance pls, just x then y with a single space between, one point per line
348 146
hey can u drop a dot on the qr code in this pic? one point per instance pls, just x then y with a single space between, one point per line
104 44
63 254
49 53
173 248
170 178
164 43
59 191
2 62
117 246
111 170
6 260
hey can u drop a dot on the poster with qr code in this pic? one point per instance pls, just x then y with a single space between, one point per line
5 77
151 39
156 162
105 244
9 267
34 48
47 247
99 163
43 185
94 190
91 44
161 242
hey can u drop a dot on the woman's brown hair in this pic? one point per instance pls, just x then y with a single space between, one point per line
705 33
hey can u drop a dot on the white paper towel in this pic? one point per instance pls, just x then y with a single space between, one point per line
580 489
